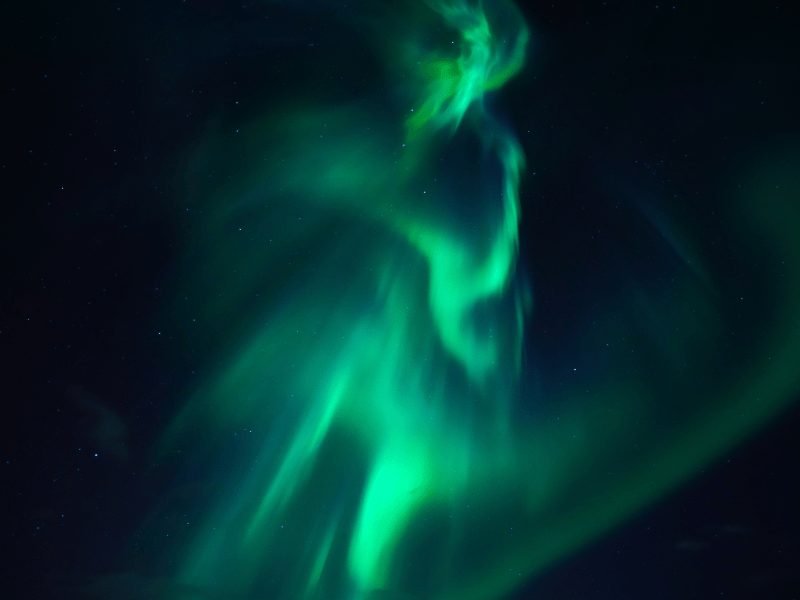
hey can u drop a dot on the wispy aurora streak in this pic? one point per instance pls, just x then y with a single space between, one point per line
382 442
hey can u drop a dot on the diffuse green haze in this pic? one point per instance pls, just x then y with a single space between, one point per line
381 444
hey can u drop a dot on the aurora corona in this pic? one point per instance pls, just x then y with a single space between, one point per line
389 449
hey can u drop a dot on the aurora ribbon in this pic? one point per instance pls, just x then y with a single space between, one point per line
369 426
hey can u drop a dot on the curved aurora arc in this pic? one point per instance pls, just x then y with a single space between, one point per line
384 442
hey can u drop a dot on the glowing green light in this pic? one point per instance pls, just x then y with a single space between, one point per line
376 376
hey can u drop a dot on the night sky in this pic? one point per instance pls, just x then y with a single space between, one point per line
400 300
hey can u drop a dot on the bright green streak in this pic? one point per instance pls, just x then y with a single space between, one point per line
459 279
379 374
453 84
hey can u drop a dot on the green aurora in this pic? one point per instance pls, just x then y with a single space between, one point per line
381 382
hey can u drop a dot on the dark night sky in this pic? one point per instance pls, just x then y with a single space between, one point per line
619 100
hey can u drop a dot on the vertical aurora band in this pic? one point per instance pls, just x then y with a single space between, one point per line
376 387
378 372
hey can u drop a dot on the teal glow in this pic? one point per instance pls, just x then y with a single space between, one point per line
382 441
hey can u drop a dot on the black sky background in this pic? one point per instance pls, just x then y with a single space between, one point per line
100 98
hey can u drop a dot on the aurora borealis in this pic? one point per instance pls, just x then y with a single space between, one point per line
413 359
409 344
